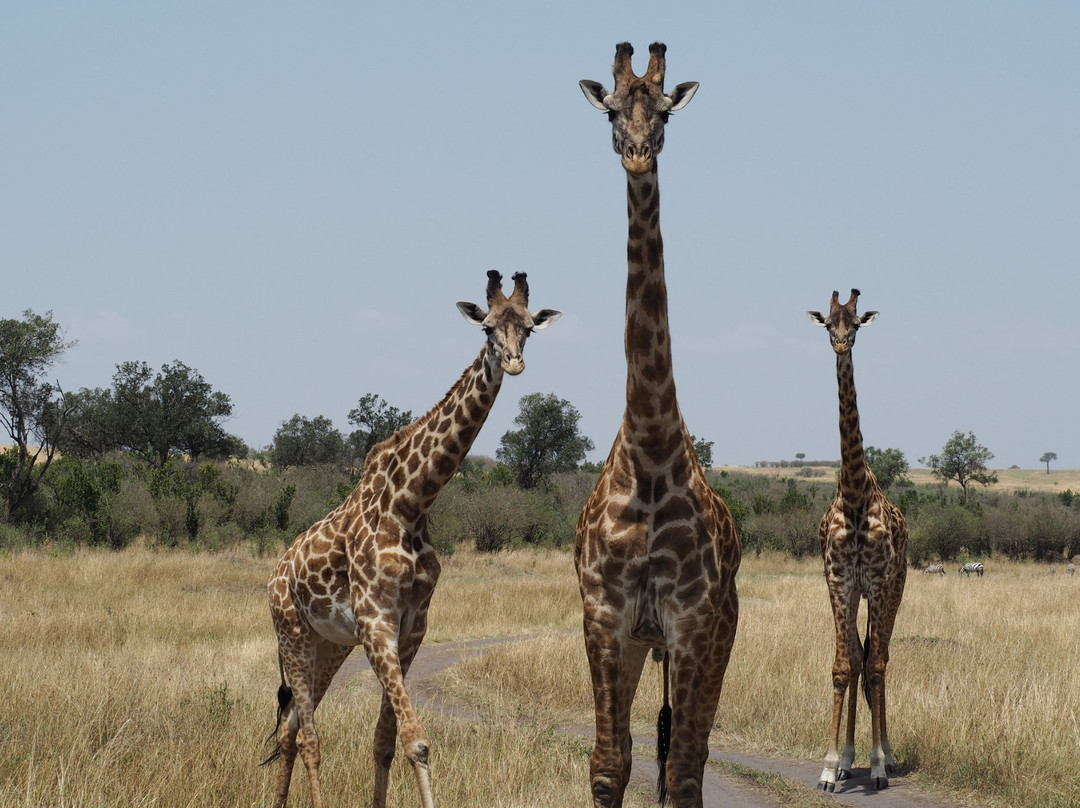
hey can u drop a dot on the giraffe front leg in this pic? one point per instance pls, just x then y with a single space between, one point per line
615 672
382 650
830 772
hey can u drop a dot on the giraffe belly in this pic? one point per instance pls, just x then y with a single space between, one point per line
337 627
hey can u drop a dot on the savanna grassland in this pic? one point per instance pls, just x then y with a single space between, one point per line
147 678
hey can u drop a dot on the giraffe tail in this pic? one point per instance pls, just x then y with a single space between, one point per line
865 659
663 738
284 699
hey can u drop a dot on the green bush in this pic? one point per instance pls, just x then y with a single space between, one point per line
944 531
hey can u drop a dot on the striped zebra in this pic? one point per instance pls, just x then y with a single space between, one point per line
934 569
972 567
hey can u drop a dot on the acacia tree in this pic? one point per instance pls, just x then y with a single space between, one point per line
33 412
962 459
1046 458
547 442
703 450
302 441
889 465
173 411
376 421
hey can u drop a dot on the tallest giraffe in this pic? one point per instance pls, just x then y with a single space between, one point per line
656 550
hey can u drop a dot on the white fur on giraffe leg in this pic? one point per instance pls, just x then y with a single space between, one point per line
879 779
890 762
847 761
827 781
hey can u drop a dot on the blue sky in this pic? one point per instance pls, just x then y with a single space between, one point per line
291 200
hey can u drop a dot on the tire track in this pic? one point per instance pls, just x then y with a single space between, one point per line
720 789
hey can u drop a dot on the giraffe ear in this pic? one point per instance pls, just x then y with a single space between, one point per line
471 312
681 95
595 93
544 318
816 318
868 318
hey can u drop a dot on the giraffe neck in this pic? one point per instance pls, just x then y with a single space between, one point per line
431 448
854 473
650 383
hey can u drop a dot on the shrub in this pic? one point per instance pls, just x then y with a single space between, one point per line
944 531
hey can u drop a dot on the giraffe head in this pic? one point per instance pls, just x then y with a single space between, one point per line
843 322
639 108
508 321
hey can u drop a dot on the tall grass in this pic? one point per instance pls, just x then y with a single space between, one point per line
142 678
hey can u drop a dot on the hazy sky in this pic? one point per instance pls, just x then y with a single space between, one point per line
291 199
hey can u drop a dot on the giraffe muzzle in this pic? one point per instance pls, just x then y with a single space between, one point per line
513 365
638 160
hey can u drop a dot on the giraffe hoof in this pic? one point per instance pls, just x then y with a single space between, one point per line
879 783
843 774
827 786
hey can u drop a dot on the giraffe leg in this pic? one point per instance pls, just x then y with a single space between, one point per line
286 754
381 644
615 670
845 679
700 647
386 727
883 617
711 687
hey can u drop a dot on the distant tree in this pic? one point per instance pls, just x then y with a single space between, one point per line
962 459
376 421
547 442
1047 458
302 441
800 456
174 411
33 412
889 465
92 426
703 450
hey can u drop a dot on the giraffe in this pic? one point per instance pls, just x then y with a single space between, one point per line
656 549
863 540
364 574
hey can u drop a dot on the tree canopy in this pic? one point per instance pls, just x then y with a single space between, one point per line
1047 458
303 441
703 450
376 421
962 459
33 411
547 442
889 465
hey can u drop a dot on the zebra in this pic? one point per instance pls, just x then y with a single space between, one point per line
970 567
934 569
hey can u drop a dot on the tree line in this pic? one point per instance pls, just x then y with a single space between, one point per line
148 458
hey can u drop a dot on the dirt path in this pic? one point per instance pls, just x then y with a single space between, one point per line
720 789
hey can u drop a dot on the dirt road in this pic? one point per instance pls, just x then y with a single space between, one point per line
721 790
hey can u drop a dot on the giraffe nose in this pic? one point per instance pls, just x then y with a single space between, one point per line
513 363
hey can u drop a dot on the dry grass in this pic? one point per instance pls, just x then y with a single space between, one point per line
146 678
1009 480
142 678
984 682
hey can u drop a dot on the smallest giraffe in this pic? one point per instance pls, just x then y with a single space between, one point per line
863 540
